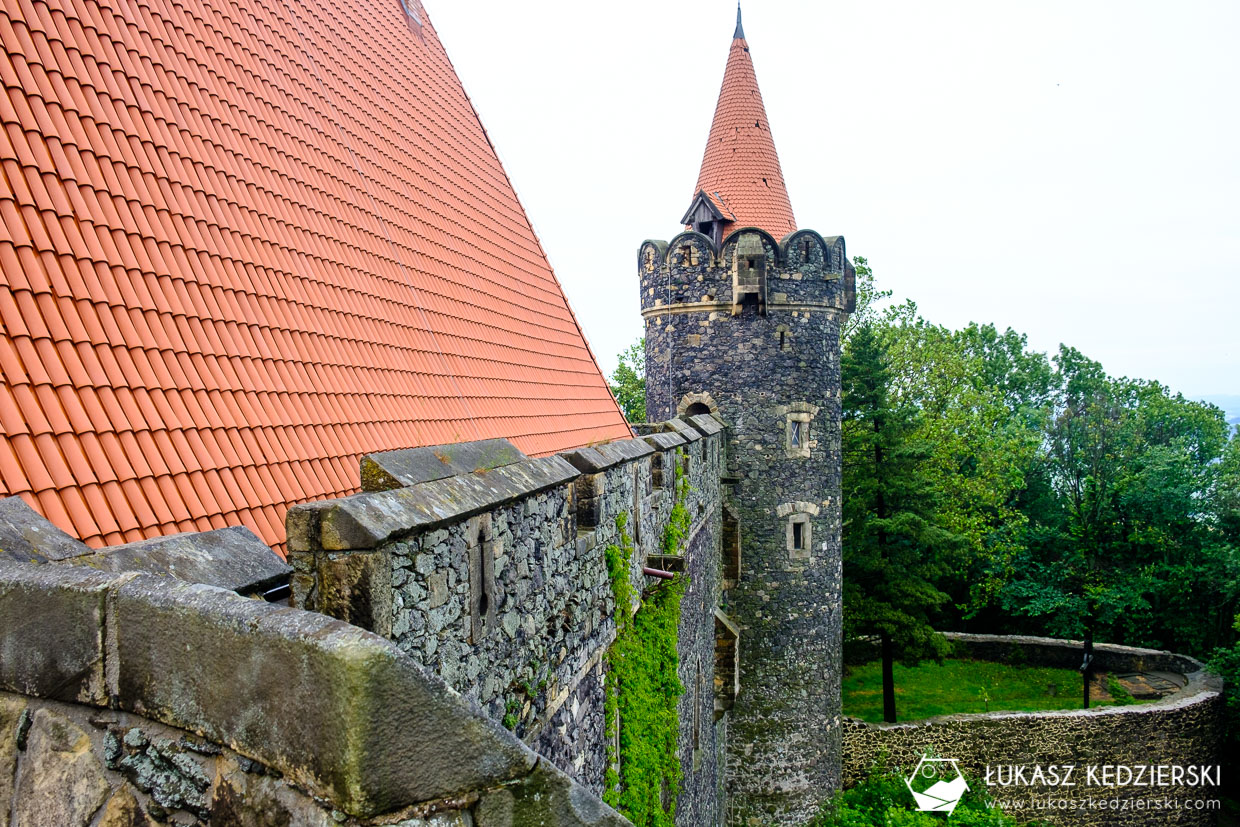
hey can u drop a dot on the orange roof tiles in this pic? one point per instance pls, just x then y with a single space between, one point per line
740 169
243 243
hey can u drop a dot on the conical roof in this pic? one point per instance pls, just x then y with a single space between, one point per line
740 167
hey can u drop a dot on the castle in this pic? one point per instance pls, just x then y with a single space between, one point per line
269 292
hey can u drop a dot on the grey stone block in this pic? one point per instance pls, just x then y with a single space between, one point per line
548 796
365 521
356 587
336 709
12 708
232 558
683 428
596 458
51 631
63 782
395 469
665 441
706 423
27 536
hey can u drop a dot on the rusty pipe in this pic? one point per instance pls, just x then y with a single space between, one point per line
649 572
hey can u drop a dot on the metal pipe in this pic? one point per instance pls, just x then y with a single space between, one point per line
649 572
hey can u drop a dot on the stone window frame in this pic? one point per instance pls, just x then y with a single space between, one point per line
784 334
480 553
798 514
801 413
689 254
800 536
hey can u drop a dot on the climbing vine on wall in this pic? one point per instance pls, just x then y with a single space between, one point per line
677 530
643 684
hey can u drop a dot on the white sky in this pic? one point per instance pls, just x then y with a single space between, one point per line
1068 169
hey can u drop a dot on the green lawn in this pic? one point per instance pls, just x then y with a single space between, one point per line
957 686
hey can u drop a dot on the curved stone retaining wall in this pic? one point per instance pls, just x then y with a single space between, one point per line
1181 730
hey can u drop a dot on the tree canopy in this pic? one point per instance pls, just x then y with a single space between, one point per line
628 382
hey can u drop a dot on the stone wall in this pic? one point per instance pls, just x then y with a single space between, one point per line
131 698
488 568
1183 729
762 352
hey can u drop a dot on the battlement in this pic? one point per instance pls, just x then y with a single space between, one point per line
804 272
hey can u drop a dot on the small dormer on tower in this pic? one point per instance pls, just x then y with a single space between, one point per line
708 215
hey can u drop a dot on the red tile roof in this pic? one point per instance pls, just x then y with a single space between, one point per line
740 168
243 243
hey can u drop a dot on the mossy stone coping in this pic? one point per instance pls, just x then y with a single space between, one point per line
340 712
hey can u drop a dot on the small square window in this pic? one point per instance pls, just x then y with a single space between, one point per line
797 435
800 536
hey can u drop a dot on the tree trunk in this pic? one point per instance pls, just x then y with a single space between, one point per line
889 681
1088 661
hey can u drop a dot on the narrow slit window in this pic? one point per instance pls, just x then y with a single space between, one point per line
798 536
794 434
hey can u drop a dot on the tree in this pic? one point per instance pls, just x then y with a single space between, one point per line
980 444
869 300
894 552
628 382
1128 534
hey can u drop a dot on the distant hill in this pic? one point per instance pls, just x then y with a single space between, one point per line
1229 403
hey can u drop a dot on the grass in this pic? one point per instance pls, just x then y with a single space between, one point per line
959 686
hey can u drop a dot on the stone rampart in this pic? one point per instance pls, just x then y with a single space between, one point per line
1183 729
488 569
130 697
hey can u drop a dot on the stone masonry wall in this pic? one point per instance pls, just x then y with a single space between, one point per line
134 698
488 569
767 363
1183 729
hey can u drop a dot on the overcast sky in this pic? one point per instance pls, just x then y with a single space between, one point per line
1067 169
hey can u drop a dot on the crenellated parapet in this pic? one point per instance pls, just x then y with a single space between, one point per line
805 272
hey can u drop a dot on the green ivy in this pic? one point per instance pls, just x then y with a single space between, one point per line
678 523
643 683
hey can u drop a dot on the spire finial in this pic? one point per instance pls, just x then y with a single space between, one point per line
739 34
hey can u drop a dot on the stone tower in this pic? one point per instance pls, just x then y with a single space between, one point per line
743 314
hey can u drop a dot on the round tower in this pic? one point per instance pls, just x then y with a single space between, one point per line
747 327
